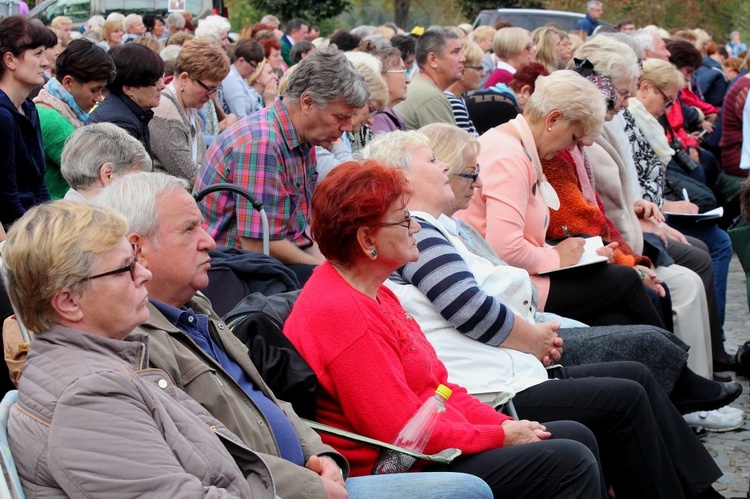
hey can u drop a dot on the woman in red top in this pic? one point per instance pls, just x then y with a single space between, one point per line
375 367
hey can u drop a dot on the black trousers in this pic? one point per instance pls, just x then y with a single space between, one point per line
566 465
647 449
603 296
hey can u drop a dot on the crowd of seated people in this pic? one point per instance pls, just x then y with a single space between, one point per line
433 193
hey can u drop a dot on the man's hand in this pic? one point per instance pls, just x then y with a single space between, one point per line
681 207
327 468
523 432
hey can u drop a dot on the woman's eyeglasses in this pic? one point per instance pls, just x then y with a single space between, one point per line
406 222
667 101
128 268
209 90
473 176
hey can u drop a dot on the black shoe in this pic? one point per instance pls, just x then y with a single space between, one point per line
722 378
727 394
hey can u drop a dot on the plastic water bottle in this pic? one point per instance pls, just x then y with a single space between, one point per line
414 435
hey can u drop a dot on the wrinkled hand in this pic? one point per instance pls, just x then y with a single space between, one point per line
646 209
608 251
570 250
548 348
681 207
332 490
327 468
523 432
651 281
675 234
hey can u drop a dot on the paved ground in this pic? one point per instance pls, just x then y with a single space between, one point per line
732 449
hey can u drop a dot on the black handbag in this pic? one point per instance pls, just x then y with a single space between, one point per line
743 360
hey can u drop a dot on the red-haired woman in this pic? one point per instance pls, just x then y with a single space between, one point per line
375 366
272 49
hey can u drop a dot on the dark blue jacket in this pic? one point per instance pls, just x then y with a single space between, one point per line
122 111
587 24
21 160
712 81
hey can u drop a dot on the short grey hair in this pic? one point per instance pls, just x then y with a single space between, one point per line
394 148
212 26
316 74
96 21
610 58
363 31
645 38
593 3
134 197
432 41
130 21
175 20
579 101
93 145
270 19
627 40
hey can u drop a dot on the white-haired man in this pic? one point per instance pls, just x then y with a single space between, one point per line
594 11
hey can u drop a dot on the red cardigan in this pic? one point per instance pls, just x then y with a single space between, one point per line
375 367
577 214
731 132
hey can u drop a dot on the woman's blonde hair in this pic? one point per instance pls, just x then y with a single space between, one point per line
258 71
546 46
472 52
576 98
376 84
110 27
661 74
448 144
509 42
51 248
203 59
482 33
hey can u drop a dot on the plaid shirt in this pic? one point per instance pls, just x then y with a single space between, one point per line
263 154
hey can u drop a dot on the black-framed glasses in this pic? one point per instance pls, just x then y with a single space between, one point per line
209 90
667 100
406 222
476 68
129 268
473 176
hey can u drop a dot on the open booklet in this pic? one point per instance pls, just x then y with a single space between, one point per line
589 256
709 215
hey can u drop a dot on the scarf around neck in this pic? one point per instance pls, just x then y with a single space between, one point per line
58 98
652 130
549 196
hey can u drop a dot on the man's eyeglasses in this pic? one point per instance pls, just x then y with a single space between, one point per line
209 90
668 102
473 176
129 268
406 222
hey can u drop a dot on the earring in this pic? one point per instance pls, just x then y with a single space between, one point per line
549 129
182 89
374 253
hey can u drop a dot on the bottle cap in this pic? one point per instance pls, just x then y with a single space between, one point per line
444 391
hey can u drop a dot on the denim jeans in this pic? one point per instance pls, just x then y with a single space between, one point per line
444 485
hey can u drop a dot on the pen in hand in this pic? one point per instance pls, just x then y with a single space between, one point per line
685 195
567 232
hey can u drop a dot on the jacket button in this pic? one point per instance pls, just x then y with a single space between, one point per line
163 383
212 427
221 326
526 302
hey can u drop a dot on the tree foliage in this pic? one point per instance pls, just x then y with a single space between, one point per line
310 10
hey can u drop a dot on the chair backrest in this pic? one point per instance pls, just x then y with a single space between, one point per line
10 484
739 233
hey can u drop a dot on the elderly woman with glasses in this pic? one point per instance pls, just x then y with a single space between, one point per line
176 130
511 209
479 318
374 365
91 419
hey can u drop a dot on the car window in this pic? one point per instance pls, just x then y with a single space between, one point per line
76 10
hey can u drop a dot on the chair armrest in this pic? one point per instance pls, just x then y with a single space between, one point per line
446 456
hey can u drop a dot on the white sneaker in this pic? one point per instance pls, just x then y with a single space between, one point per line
714 420
730 411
